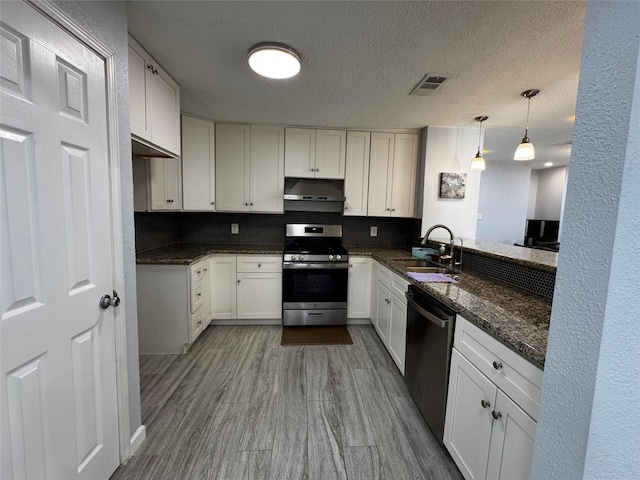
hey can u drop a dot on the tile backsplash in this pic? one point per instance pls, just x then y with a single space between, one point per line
155 230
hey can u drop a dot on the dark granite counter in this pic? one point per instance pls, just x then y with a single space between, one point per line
188 253
518 320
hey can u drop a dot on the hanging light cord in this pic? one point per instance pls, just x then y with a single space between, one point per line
526 128
479 136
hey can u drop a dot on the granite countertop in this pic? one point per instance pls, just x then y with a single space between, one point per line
529 257
188 253
518 320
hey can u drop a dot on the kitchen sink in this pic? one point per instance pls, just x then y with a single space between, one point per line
413 262
423 266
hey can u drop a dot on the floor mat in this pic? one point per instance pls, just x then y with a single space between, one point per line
325 335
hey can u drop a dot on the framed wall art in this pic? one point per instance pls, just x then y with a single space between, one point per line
452 185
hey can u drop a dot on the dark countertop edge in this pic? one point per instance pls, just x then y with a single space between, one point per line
187 254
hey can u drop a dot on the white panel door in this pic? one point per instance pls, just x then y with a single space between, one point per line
233 153
398 331
330 153
164 109
259 295
222 280
356 177
138 93
359 288
267 169
57 349
198 164
403 182
380 164
300 152
467 427
383 313
512 439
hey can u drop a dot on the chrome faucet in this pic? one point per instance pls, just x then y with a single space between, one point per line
450 257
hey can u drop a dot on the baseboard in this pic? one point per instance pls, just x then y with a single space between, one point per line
358 321
235 321
137 439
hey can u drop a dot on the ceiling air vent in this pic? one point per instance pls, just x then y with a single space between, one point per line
429 84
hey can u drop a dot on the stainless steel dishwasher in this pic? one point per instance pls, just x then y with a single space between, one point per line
429 340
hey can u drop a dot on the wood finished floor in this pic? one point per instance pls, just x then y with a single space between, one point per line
241 406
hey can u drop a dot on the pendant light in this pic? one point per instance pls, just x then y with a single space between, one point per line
274 60
478 163
525 150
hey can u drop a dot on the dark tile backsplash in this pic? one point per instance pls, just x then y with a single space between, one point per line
531 280
159 229
155 230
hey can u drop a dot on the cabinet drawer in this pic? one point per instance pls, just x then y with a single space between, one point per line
197 323
197 271
257 264
399 287
197 295
384 276
518 378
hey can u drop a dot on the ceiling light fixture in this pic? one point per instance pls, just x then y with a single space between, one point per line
548 164
525 150
274 60
478 164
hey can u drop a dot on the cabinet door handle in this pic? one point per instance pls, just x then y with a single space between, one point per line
251 204
496 415
393 209
259 265
485 404
388 209
198 295
205 270
246 204
497 365
213 203
238 281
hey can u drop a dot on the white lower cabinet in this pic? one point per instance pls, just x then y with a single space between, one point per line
390 312
173 306
489 435
223 287
246 287
359 289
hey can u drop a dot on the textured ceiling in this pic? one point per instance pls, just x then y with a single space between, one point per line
361 59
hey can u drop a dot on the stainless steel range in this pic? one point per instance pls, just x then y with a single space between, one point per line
314 275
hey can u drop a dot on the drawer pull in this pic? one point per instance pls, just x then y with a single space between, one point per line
259 265
497 365
496 415
485 404
199 295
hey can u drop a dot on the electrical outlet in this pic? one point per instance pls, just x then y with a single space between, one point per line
479 216
235 229
373 232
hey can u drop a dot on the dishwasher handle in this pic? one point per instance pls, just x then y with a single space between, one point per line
428 315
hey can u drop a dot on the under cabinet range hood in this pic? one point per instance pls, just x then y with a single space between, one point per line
313 195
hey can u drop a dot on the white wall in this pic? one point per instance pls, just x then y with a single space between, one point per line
589 422
450 150
503 202
533 195
107 21
551 186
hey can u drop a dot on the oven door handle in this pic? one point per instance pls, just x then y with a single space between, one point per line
306 266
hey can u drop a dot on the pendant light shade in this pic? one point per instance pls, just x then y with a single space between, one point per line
478 164
274 60
525 150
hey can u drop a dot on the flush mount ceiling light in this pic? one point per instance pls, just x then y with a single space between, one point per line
274 60
525 150
478 164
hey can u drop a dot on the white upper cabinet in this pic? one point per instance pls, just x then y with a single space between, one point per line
356 178
300 153
155 102
266 185
249 168
198 164
311 153
392 175
165 183
233 153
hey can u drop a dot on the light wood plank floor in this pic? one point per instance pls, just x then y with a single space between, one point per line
241 406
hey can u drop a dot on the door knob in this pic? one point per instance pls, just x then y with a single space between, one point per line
496 415
485 404
107 301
